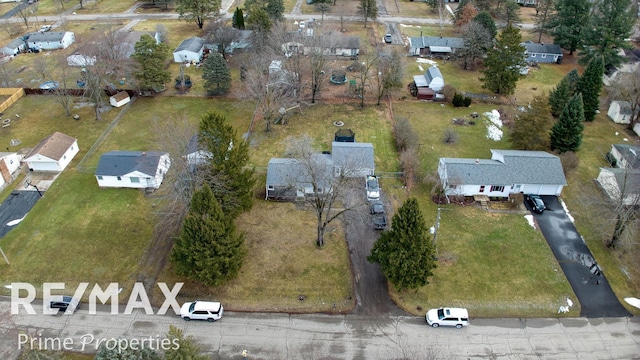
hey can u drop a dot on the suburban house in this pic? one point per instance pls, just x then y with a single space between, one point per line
132 169
336 45
432 78
81 60
289 179
527 2
616 183
621 112
53 153
542 53
434 46
507 172
189 50
625 156
121 98
195 154
9 164
14 47
51 40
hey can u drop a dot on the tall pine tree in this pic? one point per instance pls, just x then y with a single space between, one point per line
405 253
566 133
216 75
609 28
238 19
530 129
504 62
590 85
230 181
209 249
544 13
559 97
151 57
368 9
569 23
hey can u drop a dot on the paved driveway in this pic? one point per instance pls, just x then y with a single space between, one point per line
16 207
590 286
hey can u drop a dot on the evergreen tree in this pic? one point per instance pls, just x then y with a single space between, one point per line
566 133
151 58
559 97
238 19
216 75
230 181
568 23
275 9
209 249
572 79
511 12
405 253
504 62
197 10
530 130
477 41
127 353
186 348
590 85
485 19
545 9
607 32
368 9
258 20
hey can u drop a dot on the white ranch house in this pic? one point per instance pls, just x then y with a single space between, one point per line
507 172
51 40
621 112
9 164
53 153
132 169
189 50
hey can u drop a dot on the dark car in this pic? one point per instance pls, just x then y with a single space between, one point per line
388 39
380 221
63 303
376 207
536 203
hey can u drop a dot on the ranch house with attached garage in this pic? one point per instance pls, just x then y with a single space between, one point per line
507 172
51 40
132 169
53 153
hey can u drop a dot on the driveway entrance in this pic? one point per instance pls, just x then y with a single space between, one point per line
587 280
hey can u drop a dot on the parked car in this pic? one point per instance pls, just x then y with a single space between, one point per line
373 189
202 310
380 221
457 317
376 207
44 28
63 303
388 39
536 203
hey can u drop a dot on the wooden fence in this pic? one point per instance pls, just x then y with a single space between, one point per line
14 95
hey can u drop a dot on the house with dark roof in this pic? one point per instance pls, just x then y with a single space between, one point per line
432 78
53 153
14 47
132 169
290 179
620 185
625 156
434 45
189 50
542 53
621 112
51 40
507 172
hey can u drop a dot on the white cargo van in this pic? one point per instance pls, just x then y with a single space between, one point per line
457 317
202 310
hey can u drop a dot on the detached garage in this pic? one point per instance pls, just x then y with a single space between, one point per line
53 153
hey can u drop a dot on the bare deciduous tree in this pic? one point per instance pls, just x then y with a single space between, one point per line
221 33
62 95
626 87
41 65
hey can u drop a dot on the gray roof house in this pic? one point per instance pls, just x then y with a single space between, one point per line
542 53
431 45
51 40
132 169
507 172
432 78
620 185
626 156
621 112
14 47
189 50
289 179
336 45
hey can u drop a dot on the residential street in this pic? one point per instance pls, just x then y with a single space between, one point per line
283 336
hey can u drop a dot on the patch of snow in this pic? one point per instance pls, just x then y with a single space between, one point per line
566 210
569 302
449 10
420 67
633 301
494 127
8 286
530 221
16 221
405 25
426 61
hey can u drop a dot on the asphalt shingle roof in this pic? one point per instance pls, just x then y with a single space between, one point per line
118 163
426 41
630 153
542 48
353 155
517 167
193 44
53 146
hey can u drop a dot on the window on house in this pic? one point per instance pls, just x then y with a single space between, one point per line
497 188
481 188
64 157
270 187
119 178
544 56
533 55
99 177
10 162
135 179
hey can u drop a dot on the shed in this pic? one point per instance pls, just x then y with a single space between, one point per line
345 135
621 112
425 93
81 60
51 40
119 99
189 50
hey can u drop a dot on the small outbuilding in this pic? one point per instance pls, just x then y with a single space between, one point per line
119 99
81 60
345 135
53 153
621 112
432 78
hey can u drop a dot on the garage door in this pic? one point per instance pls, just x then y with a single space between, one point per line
43 166
541 189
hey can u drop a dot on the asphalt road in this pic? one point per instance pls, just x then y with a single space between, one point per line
283 336
592 289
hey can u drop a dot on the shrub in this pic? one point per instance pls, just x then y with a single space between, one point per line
450 136
448 91
458 100
466 102
409 163
405 136
570 161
